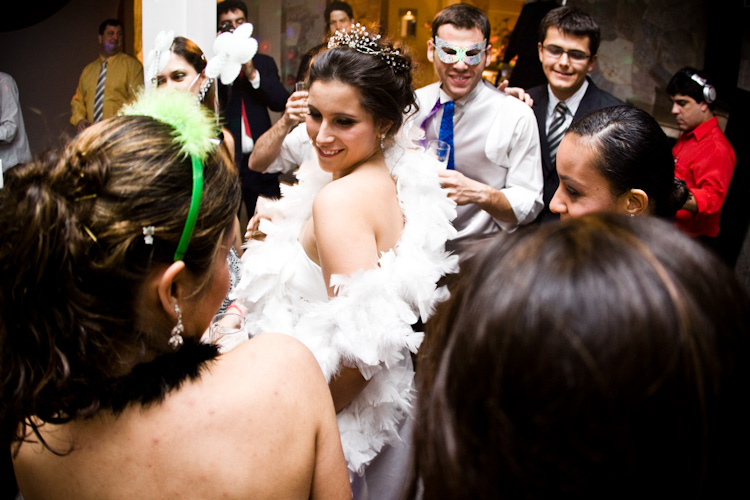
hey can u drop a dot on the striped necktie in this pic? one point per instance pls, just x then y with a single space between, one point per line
446 131
99 96
556 130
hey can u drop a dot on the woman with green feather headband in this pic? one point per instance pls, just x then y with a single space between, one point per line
113 262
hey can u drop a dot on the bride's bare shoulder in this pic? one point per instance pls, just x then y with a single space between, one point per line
357 189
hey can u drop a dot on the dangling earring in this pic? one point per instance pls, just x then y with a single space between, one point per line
382 141
203 90
175 340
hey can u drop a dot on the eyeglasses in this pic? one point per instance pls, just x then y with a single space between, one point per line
229 25
575 55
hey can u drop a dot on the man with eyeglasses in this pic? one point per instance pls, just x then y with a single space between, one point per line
245 106
568 41
494 170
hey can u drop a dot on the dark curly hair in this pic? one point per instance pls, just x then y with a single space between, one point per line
73 260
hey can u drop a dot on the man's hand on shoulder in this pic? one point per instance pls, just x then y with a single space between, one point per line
516 92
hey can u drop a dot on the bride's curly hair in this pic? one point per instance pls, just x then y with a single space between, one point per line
73 261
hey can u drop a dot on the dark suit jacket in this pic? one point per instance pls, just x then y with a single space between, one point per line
593 100
270 95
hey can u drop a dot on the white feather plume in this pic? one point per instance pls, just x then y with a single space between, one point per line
231 51
158 57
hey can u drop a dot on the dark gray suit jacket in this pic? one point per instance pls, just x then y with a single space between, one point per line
593 100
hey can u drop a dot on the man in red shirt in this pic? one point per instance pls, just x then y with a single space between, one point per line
704 159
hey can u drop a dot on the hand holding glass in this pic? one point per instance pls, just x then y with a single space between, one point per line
302 87
439 150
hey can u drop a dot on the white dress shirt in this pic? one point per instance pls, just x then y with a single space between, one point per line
295 150
496 141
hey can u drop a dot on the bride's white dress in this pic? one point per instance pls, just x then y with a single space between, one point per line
368 325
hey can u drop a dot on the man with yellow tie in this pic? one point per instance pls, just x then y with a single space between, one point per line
107 83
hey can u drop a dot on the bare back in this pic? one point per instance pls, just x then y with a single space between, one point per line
249 427
355 219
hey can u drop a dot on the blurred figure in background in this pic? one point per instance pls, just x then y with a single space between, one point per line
109 82
527 72
245 105
703 156
14 144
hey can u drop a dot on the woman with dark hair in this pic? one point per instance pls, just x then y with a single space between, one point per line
354 257
112 265
601 357
619 160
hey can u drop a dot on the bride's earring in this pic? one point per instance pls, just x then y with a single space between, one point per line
382 141
175 340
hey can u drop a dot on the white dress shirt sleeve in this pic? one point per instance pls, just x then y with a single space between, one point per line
520 153
293 149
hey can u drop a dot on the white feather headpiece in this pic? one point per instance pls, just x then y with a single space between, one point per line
158 57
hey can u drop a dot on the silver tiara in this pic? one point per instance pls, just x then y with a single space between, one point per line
361 41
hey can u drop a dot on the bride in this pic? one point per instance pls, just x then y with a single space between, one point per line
353 253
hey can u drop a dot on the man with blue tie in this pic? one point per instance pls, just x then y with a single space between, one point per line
494 173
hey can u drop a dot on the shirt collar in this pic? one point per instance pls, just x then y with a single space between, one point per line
465 99
571 102
110 58
704 128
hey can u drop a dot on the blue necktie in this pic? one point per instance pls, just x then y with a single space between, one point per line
446 130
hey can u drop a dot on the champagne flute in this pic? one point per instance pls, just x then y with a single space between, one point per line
228 330
298 87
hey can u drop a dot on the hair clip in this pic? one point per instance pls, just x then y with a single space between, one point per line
148 235
85 197
91 235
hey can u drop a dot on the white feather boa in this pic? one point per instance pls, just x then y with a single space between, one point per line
368 324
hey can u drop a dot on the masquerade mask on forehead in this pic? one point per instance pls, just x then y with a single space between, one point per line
450 53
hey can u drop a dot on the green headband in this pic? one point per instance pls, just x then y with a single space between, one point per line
195 203
194 130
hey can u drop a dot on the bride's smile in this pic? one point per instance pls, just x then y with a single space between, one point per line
343 133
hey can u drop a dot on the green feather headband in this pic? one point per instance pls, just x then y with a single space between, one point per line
194 131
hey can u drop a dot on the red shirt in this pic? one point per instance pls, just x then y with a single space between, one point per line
705 160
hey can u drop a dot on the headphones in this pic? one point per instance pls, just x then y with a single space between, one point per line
709 92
